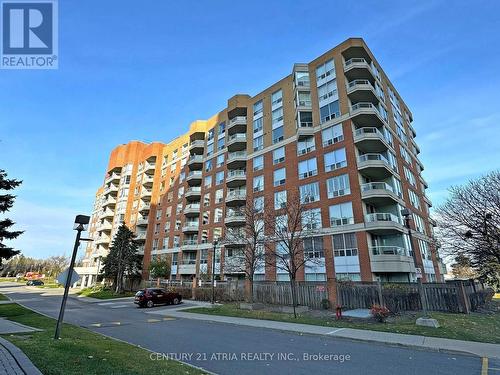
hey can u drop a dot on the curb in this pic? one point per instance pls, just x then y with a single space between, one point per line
21 359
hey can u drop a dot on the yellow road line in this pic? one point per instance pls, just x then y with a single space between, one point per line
154 320
484 368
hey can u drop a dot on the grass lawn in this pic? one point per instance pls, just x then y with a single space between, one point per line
81 351
473 327
104 293
3 298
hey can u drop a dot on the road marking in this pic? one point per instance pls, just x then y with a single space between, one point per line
117 307
168 318
334 331
96 324
154 320
484 368
106 303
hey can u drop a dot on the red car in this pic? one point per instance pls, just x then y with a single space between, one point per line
154 296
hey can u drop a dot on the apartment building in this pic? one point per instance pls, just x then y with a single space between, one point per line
335 131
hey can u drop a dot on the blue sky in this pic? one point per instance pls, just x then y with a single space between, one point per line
145 70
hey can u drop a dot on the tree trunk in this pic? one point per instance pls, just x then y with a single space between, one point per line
294 296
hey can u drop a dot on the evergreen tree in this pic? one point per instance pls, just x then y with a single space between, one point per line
6 202
123 259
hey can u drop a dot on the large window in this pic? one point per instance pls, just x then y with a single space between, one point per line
313 247
258 143
311 219
277 116
276 98
410 176
279 155
258 204
335 160
220 160
258 108
219 177
330 111
258 163
415 201
325 70
258 183
279 177
258 125
327 90
304 98
306 145
309 192
332 134
338 186
279 199
345 245
308 168
305 119
341 214
278 134
208 181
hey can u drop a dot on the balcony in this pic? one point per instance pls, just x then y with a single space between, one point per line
236 197
187 269
110 201
191 227
235 242
140 236
358 68
366 114
193 193
235 218
237 142
142 222
147 180
194 177
192 209
146 194
237 159
305 132
236 178
234 264
113 177
379 193
237 124
426 185
375 166
370 140
102 240
105 227
144 206
107 213
383 223
111 189
427 200
195 162
190 245
361 90
197 146
391 259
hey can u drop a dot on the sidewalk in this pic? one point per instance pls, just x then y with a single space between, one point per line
12 360
432 343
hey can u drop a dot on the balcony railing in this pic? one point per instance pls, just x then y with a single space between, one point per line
238 119
382 216
238 137
236 155
236 173
363 105
359 82
376 186
390 250
373 157
356 61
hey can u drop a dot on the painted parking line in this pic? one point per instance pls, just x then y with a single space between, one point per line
153 320
118 306
169 318
484 366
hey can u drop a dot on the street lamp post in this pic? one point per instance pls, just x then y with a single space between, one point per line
81 224
406 213
213 272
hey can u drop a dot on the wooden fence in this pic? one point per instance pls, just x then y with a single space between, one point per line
280 293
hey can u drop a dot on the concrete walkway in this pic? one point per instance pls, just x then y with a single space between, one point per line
432 343
14 362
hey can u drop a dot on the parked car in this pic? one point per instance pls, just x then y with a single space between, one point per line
35 282
155 296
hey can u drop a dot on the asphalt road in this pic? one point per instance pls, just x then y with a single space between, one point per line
231 349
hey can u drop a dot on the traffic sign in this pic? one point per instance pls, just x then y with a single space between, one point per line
61 279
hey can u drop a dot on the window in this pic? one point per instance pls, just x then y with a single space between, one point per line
279 199
206 200
341 214
258 125
278 134
208 181
311 219
419 223
424 250
325 70
309 192
302 79
279 155
211 134
330 111
304 99
281 223
219 178
327 90
345 244
306 145
313 247
332 135
410 176
279 177
277 116
222 128
219 196
305 120
218 215
158 214
258 108
258 183
220 143
258 143
208 165
258 163
335 160
404 153
220 160
415 201
258 204
308 168
338 186
277 98
210 149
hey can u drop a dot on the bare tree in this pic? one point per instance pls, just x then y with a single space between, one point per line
469 225
289 229
249 240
